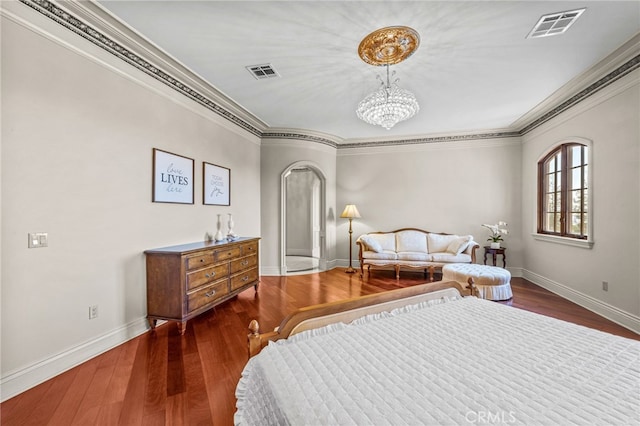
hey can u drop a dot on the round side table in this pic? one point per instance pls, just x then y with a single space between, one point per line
494 253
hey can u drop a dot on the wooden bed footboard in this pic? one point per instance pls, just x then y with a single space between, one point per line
350 309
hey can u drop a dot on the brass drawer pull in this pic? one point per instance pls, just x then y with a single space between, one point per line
210 293
245 263
245 278
201 260
213 274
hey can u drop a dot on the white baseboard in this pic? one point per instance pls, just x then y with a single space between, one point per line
623 318
270 271
299 252
21 380
274 271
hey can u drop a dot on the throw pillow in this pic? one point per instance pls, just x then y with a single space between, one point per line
371 243
459 245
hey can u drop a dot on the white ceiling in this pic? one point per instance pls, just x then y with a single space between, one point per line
474 69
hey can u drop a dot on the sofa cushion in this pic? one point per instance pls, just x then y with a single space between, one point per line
413 241
387 241
371 243
414 255
450 258
385 255
437 243
459 245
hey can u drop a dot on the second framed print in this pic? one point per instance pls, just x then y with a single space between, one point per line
216 185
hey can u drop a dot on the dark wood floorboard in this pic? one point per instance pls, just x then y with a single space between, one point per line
163 378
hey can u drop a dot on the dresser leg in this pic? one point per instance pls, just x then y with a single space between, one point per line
152 323
182 327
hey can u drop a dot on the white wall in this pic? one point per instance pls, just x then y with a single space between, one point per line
78 131
611 120
440 187
276 156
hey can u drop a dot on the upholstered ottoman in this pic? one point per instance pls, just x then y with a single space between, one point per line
493 283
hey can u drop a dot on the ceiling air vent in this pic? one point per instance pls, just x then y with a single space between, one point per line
263 71
555 23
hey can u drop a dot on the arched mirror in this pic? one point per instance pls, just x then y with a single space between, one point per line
303 219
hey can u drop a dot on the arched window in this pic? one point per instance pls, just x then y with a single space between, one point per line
563 192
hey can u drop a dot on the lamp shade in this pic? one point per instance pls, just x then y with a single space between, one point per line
350 211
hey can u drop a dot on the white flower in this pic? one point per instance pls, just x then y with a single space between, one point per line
496 231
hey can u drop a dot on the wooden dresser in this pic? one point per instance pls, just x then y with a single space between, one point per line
186 280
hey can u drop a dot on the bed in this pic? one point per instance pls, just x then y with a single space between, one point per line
429 355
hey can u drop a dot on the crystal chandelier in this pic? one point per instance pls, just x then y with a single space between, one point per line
389 104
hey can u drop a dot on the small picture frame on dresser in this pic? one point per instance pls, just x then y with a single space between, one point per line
216 185
172 178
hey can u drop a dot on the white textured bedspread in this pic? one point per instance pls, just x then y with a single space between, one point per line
466 361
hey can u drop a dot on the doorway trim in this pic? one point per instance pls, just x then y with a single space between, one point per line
322 266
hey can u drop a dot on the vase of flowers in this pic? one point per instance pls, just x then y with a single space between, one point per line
497 231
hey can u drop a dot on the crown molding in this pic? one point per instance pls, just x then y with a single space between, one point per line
495 134
302 135
619 63
91 21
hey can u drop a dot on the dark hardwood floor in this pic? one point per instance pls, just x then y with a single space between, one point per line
164 378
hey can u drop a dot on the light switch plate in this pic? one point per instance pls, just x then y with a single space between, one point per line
38 239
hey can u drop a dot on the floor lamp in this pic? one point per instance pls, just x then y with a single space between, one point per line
350 211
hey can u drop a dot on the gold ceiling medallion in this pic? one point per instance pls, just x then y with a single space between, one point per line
389 45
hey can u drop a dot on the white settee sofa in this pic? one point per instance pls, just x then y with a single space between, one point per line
414 248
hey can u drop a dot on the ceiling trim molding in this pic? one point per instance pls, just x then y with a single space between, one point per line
433 139
105 42
300 136
98 38
613 76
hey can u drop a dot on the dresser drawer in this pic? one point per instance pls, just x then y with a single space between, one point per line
226 254
207 295
200 260
203 276
249 248
244 278
243 263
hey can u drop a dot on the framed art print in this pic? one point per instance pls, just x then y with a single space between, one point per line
172 178
216 185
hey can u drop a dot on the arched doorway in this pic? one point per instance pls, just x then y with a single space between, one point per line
303 220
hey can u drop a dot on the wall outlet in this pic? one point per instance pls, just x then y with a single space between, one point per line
93 312
605 285
38 239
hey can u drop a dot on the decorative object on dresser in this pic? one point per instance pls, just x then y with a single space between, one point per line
414 248
186 280
350 212
219 235
231 235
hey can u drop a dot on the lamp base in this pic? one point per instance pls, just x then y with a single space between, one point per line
350 270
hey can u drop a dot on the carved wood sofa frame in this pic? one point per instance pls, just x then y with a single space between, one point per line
431 268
